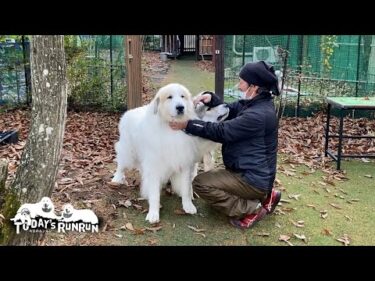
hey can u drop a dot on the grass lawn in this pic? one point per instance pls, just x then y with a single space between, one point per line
308 202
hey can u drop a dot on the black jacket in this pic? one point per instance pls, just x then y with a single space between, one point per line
249 137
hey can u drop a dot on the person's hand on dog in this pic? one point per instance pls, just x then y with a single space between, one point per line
178 125
206 98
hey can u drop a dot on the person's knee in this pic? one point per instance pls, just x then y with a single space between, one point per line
198 183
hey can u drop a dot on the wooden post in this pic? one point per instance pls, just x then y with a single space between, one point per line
219 65
197 47
134 72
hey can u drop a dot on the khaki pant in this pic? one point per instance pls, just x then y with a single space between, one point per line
228 193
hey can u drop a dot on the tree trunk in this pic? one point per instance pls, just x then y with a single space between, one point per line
3 178
36 175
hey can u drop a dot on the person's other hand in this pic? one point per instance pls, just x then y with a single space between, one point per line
178 125
206 98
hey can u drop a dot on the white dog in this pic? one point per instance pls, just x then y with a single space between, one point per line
70 214
148 144
44 208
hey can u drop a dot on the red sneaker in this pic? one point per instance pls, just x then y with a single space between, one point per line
271 201
249 220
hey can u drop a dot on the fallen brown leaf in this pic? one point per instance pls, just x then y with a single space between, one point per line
311 206
129 226
343 191
348 218
153 229
344 239
323 214
298 223
202 234
152 241
327 232
335 206
113 184
196 229
263 234
294 196
285 238
301 237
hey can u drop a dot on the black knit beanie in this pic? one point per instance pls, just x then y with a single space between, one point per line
260 74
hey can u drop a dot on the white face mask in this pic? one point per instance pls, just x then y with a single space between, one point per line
243 94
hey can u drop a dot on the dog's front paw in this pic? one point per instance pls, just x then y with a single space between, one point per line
152 217
189 207
119 179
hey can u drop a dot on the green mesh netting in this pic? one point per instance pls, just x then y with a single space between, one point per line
95 69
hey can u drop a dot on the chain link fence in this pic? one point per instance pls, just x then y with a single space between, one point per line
95 69
309 67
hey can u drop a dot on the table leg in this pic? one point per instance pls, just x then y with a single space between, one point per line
327 129
340 138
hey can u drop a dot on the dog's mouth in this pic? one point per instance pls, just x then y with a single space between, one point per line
67 215
46 209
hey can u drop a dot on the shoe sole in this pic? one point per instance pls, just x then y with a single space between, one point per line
233 222
277 200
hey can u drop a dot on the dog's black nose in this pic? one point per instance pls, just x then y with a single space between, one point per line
180 109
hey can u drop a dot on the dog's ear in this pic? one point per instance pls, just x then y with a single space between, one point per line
156 105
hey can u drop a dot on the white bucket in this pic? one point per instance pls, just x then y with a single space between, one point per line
163 56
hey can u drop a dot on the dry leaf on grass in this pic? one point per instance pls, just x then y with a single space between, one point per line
285 238
327 232
113 184
126 203
294 196
129 226
2 218
311 206
343 191
323 214
339 196
263 234
299 223
152 241
154 229
196 229
335 206
345 239
350 201
288 209
301 237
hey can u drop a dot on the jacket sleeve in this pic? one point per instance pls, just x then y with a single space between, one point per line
251 124
234 107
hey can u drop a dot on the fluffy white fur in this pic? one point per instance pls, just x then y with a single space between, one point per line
148 144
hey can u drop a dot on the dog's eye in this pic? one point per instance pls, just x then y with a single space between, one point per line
208 109
170 97
182 96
